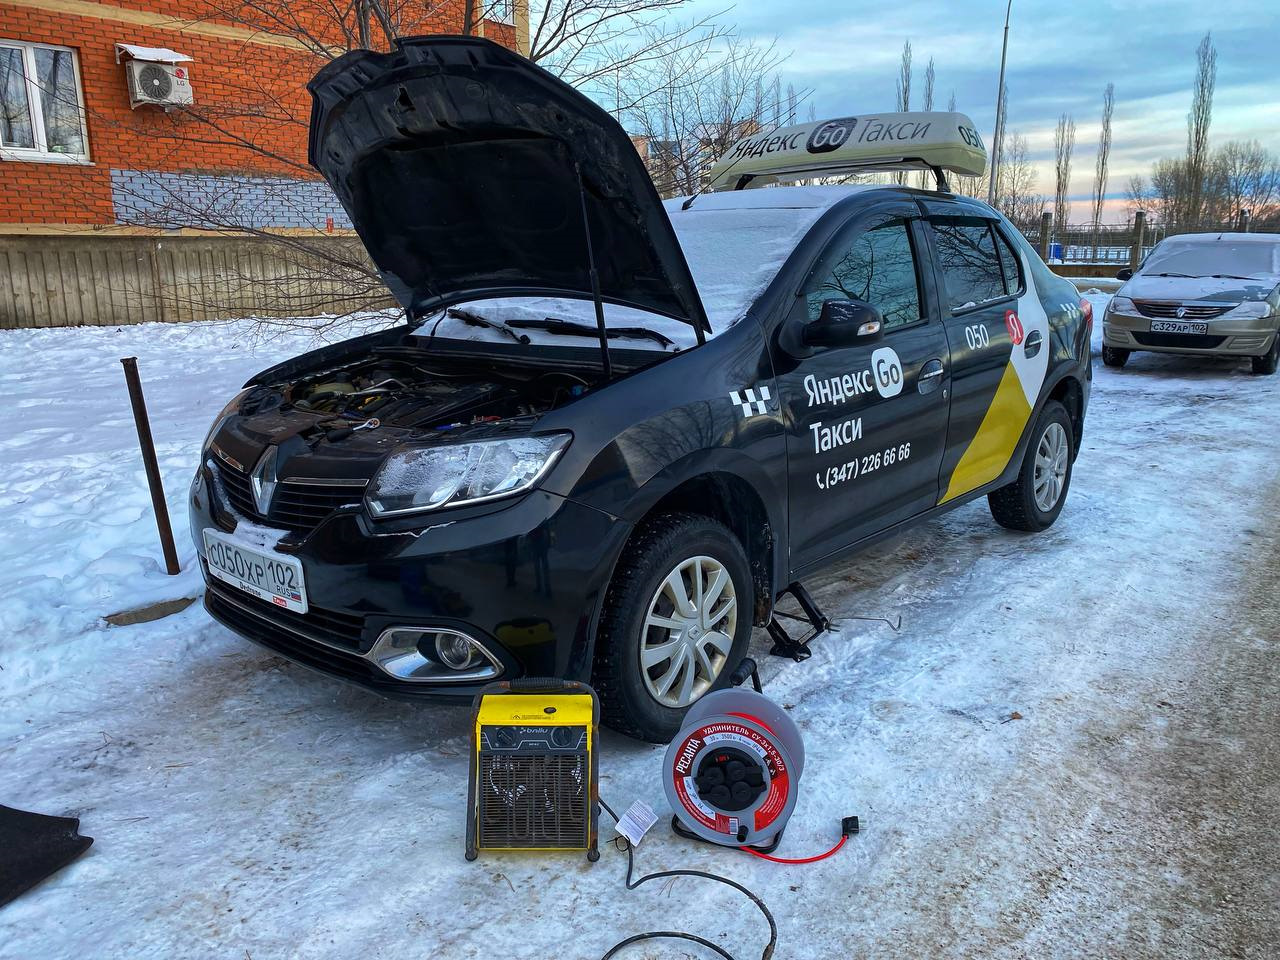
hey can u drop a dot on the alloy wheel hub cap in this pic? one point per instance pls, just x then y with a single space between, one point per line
688 631
1052 461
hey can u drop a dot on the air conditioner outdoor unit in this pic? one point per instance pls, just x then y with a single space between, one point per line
158 84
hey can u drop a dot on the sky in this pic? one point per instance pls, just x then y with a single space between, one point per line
1062 54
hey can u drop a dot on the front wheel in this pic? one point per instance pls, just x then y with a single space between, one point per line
676 622
1265 365
1034 500
1114 356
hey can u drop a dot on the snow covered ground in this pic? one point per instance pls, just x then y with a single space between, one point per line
244 807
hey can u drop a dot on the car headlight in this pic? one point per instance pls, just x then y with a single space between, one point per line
1122 305
1250 309
427 478
229 411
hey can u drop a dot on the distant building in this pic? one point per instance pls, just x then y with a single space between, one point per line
680 166
146 147
83 145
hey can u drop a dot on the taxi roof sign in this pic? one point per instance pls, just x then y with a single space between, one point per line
873 141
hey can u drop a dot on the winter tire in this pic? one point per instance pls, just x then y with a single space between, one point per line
676 622
1034 500
1265 365
1114 356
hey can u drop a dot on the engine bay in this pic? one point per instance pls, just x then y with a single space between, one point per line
406 388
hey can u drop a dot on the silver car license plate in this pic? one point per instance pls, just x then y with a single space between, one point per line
1178 326
267 575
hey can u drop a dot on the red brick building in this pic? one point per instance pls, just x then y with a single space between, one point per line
75 153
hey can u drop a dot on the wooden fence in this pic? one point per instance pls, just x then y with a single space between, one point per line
71 280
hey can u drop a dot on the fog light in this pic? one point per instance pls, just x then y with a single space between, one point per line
426 655
455 651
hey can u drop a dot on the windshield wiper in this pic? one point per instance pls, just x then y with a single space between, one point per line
1187 275
475 320
1230 276
568 328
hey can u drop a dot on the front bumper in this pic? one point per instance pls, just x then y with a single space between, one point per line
1248 337
525 579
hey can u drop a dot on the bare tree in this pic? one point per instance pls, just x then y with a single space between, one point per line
904 79
708 97
904 93
1136 195
1198 120
928 86
1017 197
1250 180
1103 158
1064 142
618 51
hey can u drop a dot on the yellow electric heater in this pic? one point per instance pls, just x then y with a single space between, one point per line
533 768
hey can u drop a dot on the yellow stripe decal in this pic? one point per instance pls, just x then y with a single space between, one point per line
993 445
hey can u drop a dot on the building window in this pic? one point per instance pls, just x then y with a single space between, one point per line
41 104
501 11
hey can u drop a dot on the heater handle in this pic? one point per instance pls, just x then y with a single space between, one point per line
544 684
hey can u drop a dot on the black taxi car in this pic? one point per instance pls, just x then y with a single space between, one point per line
612 432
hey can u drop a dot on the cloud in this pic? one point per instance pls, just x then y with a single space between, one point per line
1061 56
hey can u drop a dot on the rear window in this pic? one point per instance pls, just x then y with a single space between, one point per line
971 267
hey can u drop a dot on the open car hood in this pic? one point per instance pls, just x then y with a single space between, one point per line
460 165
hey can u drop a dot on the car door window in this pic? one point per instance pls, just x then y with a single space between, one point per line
874 264
971 267
1009 263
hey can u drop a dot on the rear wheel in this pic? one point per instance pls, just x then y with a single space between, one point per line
676 622
1034 500
1114 356
1265 365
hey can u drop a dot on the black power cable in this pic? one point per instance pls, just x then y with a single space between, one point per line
679 934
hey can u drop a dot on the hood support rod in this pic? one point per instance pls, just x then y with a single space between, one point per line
595 277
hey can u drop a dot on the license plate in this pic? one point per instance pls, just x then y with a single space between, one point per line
270 576
1178 326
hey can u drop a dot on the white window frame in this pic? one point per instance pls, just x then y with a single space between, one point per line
40 153
502 11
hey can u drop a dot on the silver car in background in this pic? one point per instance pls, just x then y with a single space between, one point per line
1216 294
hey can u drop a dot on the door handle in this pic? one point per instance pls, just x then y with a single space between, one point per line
1035 340
930 378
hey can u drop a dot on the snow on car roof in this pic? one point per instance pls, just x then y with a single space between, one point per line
735 243
774 197
1224 237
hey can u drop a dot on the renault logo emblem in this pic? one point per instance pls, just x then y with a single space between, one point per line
1182 312
263 481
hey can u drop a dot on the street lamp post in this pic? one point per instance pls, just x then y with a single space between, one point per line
995 136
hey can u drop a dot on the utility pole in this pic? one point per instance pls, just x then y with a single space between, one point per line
995 136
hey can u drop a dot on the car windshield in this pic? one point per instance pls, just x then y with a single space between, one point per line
1245 258
735 253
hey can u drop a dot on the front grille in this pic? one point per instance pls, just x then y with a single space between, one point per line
1166 310
301 506
1189 341
533 801
296 505
330 627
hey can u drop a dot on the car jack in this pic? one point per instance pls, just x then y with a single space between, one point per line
785 645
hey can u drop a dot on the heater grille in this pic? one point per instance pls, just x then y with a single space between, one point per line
533 770
533 801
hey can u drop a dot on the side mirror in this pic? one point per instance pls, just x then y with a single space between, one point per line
1125 274
844 323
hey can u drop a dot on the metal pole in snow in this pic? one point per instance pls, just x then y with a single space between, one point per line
995 136
149 463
